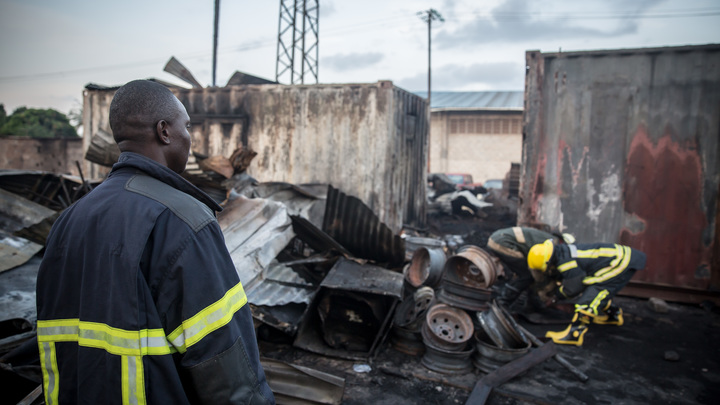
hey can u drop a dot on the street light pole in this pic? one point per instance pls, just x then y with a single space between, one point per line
428 16
215 41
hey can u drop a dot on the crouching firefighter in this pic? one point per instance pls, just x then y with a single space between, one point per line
595 272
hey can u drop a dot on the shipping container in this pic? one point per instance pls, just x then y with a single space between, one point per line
368 140
622 146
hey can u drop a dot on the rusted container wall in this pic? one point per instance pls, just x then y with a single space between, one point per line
368 140
55 155
622 146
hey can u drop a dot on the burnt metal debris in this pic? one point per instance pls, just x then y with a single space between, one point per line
355 226
409 317
297 384
467 278
426 267
318 267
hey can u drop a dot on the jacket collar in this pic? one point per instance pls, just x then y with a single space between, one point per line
164 174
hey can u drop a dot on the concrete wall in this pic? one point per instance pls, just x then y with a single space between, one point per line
622 146
482 143
368 140
55 155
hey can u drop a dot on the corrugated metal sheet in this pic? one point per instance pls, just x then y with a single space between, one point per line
255 231
370 140
15 251
475 100
622 146
281 285
351 223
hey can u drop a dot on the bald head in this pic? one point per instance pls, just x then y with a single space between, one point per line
137 107
147 118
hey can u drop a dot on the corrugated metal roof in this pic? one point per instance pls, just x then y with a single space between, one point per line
475 100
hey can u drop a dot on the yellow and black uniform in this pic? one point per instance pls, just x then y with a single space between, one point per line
594 273
139 301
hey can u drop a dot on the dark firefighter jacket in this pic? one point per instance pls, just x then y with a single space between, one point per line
584 264
138 299
517 241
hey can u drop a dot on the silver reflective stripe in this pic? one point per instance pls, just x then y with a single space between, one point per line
519 236
100 336
213 317
503 250
49 370
573 251
133 391
196 331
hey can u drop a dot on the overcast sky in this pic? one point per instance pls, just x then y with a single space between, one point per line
49 50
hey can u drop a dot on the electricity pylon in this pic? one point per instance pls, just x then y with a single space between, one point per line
297 47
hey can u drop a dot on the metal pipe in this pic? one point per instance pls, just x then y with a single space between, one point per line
535 341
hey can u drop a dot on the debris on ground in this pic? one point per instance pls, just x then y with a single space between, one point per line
347 311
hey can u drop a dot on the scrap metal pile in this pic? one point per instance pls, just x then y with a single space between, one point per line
317 265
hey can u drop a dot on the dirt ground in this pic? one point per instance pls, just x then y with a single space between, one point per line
655 358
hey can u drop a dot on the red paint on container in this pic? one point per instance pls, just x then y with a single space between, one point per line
663 188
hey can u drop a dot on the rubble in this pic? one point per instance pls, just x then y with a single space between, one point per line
658 305
325 278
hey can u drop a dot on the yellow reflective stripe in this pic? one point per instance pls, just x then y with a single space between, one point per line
611 271
50 373
209 319
101 336
567 266
125 379
595 253
619 252
597 300
140 381
133 381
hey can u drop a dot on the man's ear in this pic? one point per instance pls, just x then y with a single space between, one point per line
162 132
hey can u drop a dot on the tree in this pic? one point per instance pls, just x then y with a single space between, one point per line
3 115
37 123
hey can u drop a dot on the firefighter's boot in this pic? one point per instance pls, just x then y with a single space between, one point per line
574 333
613 315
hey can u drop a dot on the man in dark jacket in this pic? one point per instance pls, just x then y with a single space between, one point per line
511 246
593 272
138 299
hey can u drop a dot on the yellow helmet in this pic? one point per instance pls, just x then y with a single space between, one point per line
539 255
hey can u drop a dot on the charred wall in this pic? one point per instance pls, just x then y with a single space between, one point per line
368 140
622 146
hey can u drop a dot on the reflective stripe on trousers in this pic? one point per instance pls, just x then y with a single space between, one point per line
617 266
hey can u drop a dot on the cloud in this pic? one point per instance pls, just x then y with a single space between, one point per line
453 77
327 9
351 61
517 21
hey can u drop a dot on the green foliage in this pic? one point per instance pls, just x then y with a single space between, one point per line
37 123
3 115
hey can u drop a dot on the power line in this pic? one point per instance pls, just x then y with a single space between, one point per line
388 23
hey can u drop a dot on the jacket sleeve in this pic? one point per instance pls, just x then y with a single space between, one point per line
207 319
570 273
572 285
